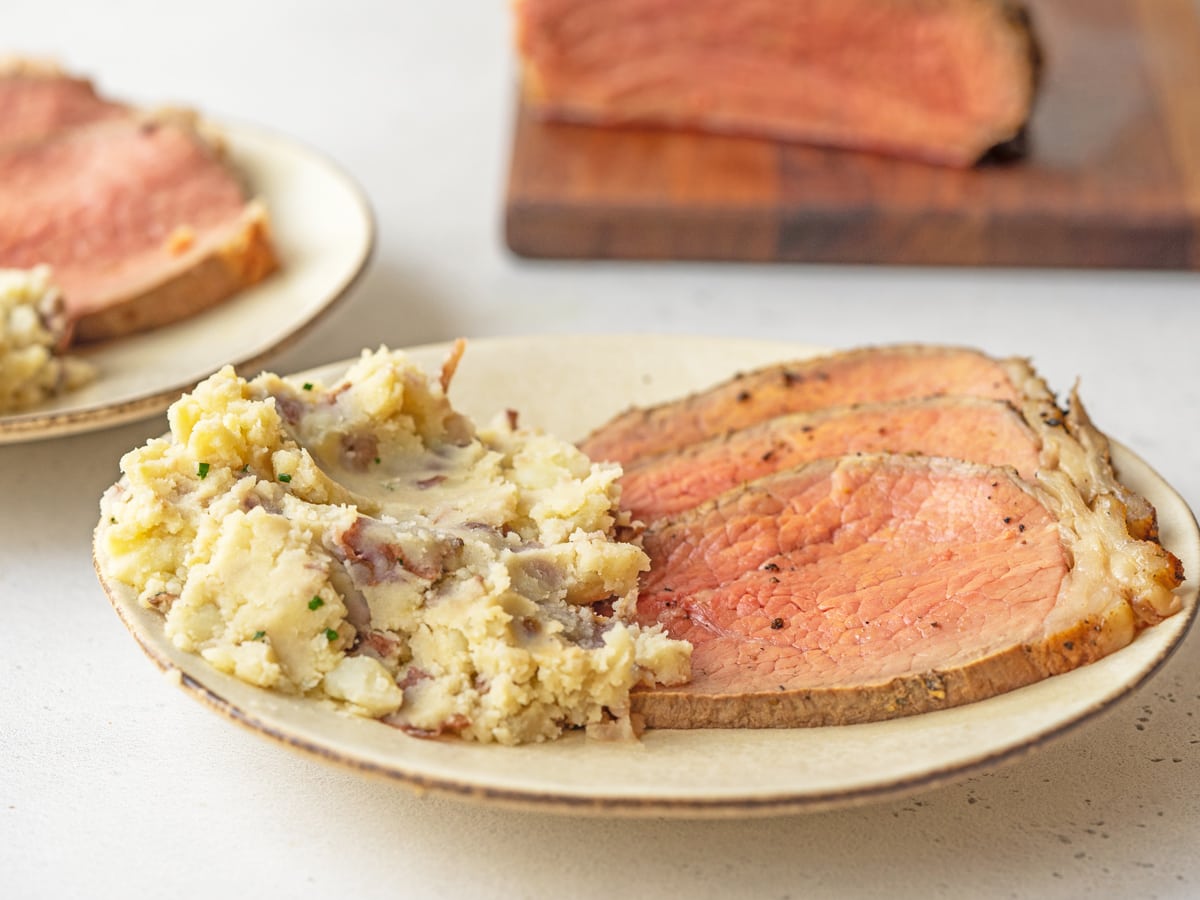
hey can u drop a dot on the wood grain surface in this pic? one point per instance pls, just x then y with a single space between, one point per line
1111 179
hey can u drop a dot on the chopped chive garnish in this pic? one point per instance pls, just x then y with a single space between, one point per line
202 470
258 635
331 635
378 460
285 478
246 467
316 603
308 385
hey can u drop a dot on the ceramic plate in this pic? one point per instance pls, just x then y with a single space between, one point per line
568 385
323 232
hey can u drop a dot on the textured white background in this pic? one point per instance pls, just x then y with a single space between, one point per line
115 784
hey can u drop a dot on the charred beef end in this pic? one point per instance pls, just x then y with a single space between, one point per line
941 81
1010 151
1019 146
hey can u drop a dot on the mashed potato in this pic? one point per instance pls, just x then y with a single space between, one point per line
365 543
31 326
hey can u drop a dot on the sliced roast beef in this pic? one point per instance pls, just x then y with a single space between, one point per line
869 587
140 218
870 375
937 80
968 428
875 375
39 99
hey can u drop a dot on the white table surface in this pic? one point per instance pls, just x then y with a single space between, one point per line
116 784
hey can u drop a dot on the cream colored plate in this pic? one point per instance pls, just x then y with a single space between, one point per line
324 233
567 385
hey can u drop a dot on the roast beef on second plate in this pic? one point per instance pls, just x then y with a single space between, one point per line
140 216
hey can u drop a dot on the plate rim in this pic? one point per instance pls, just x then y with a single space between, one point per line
760 804
33 424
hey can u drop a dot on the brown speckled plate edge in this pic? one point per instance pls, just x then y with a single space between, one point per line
1155 646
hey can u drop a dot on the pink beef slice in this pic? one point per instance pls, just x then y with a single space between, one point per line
866 375
969 428
1067 440
140 218
869 587
39 99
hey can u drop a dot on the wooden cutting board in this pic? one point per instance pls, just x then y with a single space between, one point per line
1112 178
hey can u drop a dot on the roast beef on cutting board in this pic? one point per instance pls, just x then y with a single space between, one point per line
842 582
139 215
937 80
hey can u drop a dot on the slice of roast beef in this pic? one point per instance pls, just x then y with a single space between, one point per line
38 99
968 428
869 375
937 80
876 375
140 218
869 587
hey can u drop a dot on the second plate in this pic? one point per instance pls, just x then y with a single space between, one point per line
323 231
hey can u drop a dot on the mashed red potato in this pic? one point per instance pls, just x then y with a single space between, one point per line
364 543
32 327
